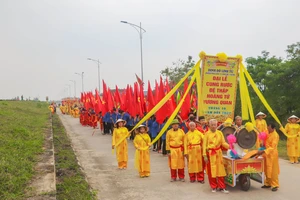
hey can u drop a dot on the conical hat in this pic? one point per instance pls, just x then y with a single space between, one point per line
261 113
292 117
141 126
120 120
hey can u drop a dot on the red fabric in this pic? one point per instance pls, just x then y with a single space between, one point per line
199 176
186 106
150 98
131 103
171 105
110 101
179 172
125 99
156 94
118 100
142 100
137 100
98 104
162 113
217 182
140 81
104 99
200 128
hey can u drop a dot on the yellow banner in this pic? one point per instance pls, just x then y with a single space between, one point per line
219 85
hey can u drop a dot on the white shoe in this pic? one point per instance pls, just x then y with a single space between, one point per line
214 190
224 191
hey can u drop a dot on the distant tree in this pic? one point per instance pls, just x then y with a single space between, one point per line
178 69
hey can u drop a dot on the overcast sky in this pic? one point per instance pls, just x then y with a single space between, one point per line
44 42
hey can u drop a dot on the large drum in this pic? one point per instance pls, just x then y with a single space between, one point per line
227 130
246 139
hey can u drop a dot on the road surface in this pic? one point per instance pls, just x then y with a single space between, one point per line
100 166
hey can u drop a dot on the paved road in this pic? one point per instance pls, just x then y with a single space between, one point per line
100 166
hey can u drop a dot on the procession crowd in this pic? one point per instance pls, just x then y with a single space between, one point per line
200 142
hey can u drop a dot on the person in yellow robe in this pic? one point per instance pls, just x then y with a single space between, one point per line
175 148
122 149
261 125
212 143
193 153
141 142
51 108
293 129
270 155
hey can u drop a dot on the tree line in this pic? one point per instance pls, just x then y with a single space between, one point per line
277 78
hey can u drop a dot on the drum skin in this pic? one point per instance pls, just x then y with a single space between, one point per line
227 131
246 139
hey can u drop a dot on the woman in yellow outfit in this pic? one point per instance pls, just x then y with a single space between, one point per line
122 149
292 129
193 152
271 158
142 142
261 125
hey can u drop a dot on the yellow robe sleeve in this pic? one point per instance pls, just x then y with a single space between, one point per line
114 138
168 141
224 144
148 139
287 128
185 143
135 143
204 144
273 146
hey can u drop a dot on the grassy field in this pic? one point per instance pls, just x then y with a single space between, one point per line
22 125
71 183
282 152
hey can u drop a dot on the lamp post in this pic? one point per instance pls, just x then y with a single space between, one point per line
69 89
81 74
74 87
98 62
140 30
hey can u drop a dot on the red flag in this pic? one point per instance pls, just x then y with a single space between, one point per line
142 100
81 97
110 101
171 101
118 99
131 103
140 81
150 99
162 113
156 92
186 106
137 100
124 99
104 99
98 105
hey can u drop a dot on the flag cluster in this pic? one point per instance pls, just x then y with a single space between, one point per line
135 101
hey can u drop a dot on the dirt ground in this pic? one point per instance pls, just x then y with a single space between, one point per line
100 166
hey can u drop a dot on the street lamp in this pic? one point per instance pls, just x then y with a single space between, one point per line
69 89
140 30
74 87
81 79
97 61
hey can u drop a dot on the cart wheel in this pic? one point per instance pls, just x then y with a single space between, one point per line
244 181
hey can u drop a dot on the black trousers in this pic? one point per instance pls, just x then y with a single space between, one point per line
164 151
105 126
111 127
155 143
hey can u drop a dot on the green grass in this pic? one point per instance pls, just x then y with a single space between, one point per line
22 126
282 151
71 183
